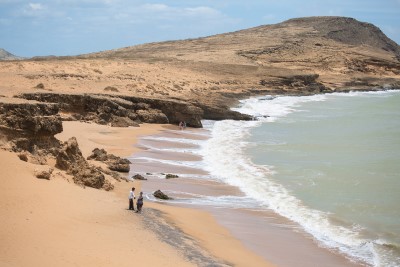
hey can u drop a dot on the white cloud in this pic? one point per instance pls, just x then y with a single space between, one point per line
35 6
33 10
171 13
202 11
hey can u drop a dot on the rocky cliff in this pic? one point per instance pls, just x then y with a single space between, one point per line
28 127
123 111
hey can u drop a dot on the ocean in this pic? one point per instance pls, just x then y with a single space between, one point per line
330 163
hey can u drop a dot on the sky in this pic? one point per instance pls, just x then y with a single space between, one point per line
73 27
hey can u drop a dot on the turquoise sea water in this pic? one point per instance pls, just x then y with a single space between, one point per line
341 156
330 163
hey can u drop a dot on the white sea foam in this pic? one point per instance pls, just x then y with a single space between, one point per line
225 159
367 94
173 140
180 163
276 107
234 202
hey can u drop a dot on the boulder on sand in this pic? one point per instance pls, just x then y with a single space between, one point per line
120 165
161 195
44 174
171 176
138 177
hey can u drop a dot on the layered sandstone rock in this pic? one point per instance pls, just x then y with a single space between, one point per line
113 162
121 111
29 125
70 159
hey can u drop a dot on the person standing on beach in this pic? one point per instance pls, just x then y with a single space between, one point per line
131 198
139 202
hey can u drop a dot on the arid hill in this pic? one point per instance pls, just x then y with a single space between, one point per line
298 56
341 53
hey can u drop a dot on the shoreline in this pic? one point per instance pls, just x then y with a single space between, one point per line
281 234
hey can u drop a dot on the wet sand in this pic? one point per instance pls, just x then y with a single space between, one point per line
271 236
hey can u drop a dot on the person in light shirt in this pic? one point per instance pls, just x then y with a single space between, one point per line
131 198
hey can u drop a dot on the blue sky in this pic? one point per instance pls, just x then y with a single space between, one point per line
71 27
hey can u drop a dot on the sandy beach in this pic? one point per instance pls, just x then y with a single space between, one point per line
57 223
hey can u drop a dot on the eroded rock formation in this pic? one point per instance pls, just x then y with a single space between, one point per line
121 111
29 125
70 159
113 162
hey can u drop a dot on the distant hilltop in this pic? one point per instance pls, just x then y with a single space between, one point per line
300 56
5 55
281 42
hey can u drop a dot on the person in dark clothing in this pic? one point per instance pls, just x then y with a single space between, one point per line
139 202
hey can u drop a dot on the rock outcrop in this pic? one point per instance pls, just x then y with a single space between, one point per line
29 125
120 165
121 111
44 174
70 159
138 177
159 194
306 83
171 176
113 162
